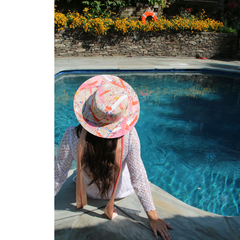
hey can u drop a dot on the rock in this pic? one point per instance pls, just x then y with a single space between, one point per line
80 50
59 46
192 43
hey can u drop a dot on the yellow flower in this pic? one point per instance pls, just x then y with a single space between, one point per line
101 26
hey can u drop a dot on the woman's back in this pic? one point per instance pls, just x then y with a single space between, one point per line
133 175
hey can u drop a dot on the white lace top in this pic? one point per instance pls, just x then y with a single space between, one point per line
133 175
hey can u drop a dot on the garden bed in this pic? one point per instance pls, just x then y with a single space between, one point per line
82 35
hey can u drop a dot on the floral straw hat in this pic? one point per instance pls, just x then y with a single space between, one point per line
106 106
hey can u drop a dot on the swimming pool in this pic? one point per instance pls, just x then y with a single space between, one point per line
189 129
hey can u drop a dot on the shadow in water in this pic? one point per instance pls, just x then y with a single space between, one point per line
196 105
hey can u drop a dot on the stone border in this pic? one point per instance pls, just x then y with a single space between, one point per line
75 43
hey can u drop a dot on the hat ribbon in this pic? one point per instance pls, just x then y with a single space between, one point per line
81 196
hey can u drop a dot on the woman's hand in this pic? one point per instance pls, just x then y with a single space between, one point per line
159 225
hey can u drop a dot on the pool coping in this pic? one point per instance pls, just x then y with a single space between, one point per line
172 70
188 222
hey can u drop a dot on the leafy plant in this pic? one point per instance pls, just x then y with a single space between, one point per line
186 13
226 29
232 14
94 8
162 3
105 8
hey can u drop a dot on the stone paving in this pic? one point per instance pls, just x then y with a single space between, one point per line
132 223
142 63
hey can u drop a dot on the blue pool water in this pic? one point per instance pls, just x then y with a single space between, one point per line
189 129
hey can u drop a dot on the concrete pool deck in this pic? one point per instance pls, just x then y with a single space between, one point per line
143 63
132 223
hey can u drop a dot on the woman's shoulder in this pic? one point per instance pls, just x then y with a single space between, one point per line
133 132
131 135
70 132
70 129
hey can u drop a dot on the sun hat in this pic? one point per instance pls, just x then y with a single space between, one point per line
106 106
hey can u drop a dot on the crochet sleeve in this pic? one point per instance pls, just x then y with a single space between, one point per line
63 161
138 173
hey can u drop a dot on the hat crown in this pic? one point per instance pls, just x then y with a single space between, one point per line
109 103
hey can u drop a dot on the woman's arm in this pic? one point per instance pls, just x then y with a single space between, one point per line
63 161
141 186
159 225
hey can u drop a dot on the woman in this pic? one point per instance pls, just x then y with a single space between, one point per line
107 148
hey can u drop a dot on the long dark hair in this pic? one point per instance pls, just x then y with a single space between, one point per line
99 158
